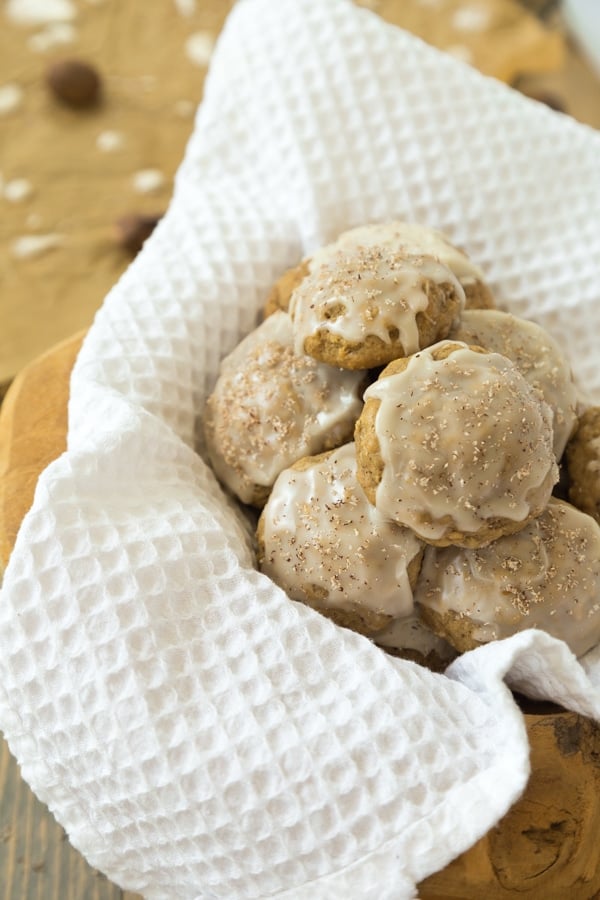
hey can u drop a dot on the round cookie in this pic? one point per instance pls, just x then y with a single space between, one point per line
546 576
583 463
417 239
365 305
322 541
537 356
270 407
453 443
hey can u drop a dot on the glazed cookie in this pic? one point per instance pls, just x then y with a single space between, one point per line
364 305
546 576
413 238
536 355
322 541
418 240
583 463
453 443
270 407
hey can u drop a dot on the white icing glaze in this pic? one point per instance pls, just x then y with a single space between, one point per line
545 576
407 237
464 439
270 407
32 245
147 181
411 633
199 48
536 355
321 532
39 12
379 288
11 98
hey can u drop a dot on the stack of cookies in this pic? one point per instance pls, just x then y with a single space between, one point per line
403 438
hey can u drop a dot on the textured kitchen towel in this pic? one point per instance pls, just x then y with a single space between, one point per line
198 734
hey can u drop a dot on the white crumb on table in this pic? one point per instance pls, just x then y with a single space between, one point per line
32 245
17 190
11 97
199 47
186 8
57 34
184 108
146 181
471 18
109 141
39 12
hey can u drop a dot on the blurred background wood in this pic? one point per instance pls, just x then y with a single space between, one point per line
68 177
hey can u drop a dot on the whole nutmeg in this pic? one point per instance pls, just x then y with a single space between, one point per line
134 229
75 83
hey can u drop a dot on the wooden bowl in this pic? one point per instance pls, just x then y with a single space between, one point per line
546 847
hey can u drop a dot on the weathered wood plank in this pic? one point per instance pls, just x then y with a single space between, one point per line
37 861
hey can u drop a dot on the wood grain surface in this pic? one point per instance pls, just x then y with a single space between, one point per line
546 847
36 860
33 428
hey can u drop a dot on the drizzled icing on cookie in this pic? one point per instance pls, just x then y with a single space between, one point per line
545 576
322 537
270 407
536 355
408 237
463 440
367 290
